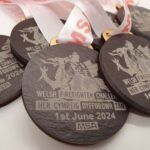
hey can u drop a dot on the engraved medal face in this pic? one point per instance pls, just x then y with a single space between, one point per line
27 40
125 63
10 73
67 98
140 20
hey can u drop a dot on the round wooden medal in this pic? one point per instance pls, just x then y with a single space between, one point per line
10 73
66 97
140 20
125 63
27 40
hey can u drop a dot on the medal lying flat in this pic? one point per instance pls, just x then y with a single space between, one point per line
140 20
10 73
27 40
66 97
125 63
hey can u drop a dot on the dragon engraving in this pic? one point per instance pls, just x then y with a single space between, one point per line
5 51
137 60
71 74
38 38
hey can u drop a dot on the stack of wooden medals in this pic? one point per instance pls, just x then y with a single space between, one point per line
78 84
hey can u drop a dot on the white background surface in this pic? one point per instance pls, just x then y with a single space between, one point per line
18 132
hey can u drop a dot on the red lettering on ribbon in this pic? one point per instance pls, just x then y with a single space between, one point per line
83 25
129 2
5 1
127 27
78 38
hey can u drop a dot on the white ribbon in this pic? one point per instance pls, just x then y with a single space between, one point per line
100 27
100 21
10 15
77 28
144 3
48 22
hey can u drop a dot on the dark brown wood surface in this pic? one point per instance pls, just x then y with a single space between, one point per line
10 73
27 40
140 20
124 60
66 97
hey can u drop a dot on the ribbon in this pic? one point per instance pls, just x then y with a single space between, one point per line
77 28
100 23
